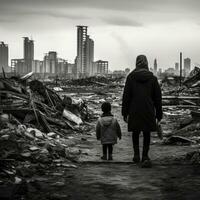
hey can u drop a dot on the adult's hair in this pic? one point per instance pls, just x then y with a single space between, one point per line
142 62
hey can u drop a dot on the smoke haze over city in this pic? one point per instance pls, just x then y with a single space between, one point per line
120 29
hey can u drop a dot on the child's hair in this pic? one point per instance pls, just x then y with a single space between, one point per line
106 107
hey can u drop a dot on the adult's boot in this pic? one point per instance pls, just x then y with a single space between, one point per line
136 158
146 162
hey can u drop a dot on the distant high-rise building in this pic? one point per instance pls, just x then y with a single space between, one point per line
177 66
50 62
89 56
3 56
37 66
19 66
187 66
70 70
100 67
155 67
85 53
159 72
81 50
28 54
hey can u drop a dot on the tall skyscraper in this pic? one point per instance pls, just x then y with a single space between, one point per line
89 56
187 66
81 50
28 53
155 67
85 52
3 56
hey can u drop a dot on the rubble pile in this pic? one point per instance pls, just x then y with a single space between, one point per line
36 106
180 126
27 153
182 106
96 80
93 83
190 89
36 127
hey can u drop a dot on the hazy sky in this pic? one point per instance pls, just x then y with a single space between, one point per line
121 29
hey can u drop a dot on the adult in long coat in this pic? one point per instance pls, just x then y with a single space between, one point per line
141 105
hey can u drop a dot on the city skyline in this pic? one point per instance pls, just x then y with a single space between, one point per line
121 30
51 65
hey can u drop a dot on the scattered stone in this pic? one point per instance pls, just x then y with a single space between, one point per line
69 165
5 137
33 148
18 180
58 184
35 132
51 134
26 154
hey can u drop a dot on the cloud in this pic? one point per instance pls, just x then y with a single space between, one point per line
67 16
121 21
2 20
125 5
84 9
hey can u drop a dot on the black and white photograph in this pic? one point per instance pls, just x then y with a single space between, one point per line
99 100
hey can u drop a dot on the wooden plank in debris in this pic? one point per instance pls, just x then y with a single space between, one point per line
181 106
195 114
99 83
23 96
181 97
44 122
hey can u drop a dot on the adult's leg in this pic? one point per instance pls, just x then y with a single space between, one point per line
146 144
135 140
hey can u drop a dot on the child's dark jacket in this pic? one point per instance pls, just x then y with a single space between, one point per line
108 129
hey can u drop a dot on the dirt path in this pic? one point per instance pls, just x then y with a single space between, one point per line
120 179
123 151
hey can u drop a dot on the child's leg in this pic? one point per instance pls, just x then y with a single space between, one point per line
104 157
110 151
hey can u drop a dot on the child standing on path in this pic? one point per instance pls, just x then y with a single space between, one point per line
107 130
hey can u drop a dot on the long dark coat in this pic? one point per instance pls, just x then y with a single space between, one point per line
142 101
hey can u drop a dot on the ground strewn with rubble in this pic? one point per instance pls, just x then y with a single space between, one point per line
56 156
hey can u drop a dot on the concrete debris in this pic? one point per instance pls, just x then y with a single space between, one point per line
72 117
33 104
193 157
178 140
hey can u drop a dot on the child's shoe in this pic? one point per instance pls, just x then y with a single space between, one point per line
110 157
104 157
